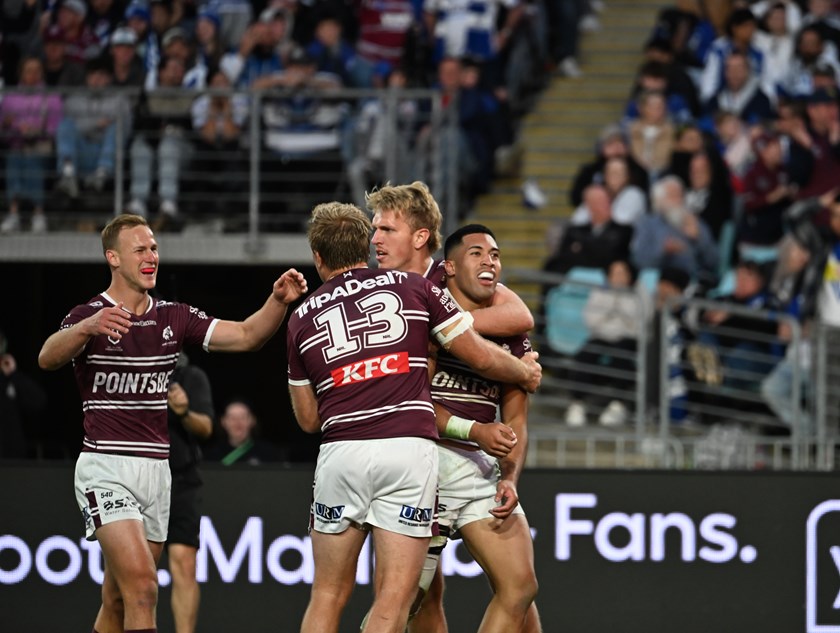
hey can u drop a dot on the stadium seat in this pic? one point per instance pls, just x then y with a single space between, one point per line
759 254
565 329
648 278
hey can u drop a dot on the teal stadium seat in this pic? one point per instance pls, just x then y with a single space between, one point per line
565 330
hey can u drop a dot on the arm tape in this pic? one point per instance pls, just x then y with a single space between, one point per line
462 326
458 428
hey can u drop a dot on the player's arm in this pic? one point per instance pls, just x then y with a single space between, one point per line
494 438
490 360
192 403
514 411
252 333
507 315
63 346
305 406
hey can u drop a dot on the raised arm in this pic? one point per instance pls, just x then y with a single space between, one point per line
253 332
507 316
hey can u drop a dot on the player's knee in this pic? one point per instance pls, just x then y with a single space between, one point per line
520 592
142 590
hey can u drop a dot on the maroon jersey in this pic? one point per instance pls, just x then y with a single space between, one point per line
436 273
464 393
383 28
124 383
361 342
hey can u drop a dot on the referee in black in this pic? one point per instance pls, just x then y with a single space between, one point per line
190 422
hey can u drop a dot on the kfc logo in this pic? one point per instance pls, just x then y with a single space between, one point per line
370 368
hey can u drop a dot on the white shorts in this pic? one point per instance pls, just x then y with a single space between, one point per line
467 487
114 487
389 483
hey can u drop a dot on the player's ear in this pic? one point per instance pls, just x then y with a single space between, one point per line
112 258
449 267
421 238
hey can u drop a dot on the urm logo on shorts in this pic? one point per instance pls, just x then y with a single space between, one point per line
328 513
416 515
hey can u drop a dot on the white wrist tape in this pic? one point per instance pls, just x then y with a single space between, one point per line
458 427
462 326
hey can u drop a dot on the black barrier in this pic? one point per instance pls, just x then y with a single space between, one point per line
675 552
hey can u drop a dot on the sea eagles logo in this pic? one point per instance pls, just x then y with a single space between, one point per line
167 333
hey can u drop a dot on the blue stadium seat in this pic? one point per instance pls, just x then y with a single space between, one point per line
648 278
565 329
759 254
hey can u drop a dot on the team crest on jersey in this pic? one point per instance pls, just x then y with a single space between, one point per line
96 304
375 367
113 341
167 333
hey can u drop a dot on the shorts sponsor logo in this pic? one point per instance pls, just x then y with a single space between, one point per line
375 367
329 514
112 505
409 515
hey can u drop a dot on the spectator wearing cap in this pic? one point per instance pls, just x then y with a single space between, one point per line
86 141
81 44
766 194
740 29
821 140
176 43
331 52
741 92
810 51
261 51
58 70
611 144
139 19
127 68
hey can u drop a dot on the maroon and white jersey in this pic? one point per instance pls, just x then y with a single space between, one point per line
124 383
436 273
361 341
383 28
464 393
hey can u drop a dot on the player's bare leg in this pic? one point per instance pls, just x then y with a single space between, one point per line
431 617
399 561
185 590
335 556
130 589
505 552
532 620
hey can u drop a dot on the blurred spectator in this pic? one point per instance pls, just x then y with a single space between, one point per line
708 192
103 17
788 10
162 135
611 144
741 92
22 403
741 341
767 192
12 27
652 134
58 69
218 121
614 316
595 244
672 236
735 145
679 81
821 139
241 444
176 44
80 42
127 69
775 40
331 52
261 52
823 16
628 202
86 141
740 29
235 17
367 152
138 17
384 28
563 35
208 41
653 77
28 122
688 32
810 53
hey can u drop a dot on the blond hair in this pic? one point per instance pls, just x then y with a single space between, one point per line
340 234
112 230
413 203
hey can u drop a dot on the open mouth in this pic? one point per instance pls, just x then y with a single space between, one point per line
149 270
487 276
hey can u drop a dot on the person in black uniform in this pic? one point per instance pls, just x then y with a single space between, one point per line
190 421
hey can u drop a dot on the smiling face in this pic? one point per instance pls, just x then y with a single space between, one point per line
473 270
397 245
134 261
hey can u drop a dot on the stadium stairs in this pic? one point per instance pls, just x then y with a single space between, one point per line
560 133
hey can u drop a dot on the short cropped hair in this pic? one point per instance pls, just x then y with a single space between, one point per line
112 230
457 237
414 203
340 234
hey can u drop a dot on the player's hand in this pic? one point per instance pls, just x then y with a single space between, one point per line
178 400
495 439
113 321
507 499
290 287
532 383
